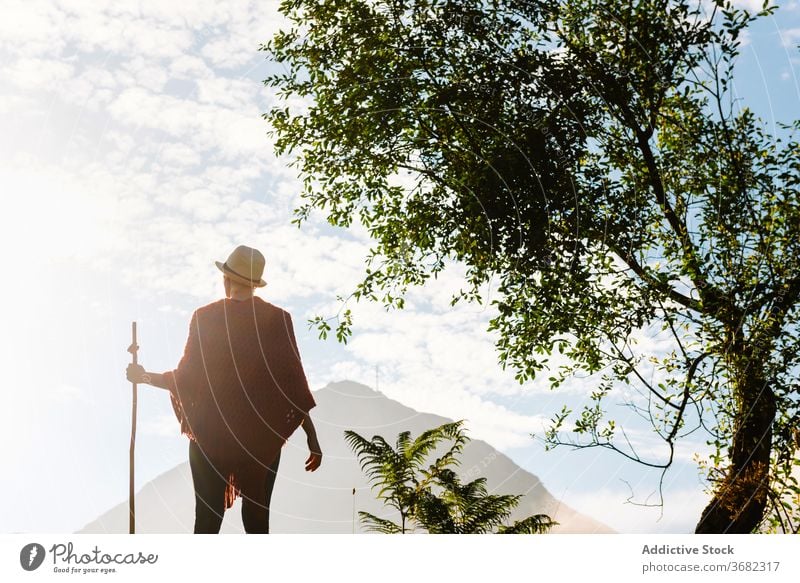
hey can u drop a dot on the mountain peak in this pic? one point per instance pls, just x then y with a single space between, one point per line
352 389
323 502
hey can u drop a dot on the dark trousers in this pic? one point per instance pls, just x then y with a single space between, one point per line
209 497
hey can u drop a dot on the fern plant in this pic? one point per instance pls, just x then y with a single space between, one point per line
428 494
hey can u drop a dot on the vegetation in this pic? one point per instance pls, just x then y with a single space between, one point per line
430 495
589 156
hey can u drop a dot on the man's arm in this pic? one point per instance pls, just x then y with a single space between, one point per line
137 374
315 451
302 398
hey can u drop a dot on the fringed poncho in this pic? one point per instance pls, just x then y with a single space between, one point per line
240 390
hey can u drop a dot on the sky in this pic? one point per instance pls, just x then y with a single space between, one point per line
132 156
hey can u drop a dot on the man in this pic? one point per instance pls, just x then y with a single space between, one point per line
239 392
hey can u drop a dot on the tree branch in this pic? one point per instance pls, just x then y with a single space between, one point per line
656 283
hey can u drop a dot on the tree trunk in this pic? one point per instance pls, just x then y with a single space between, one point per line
740 497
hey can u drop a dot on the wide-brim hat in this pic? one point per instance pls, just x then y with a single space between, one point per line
245 265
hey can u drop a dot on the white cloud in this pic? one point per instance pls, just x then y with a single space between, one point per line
178 155
70 393
94 30
751 5
790 37
223 132
31 28
160 426
228 93
93 87
33 73
249 25
486 420
11 103
189 67
58 215
681 510
229 52
146 74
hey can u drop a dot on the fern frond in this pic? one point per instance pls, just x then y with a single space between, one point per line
536 524
376 524
428 440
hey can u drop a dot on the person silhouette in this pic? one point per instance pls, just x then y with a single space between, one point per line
239 392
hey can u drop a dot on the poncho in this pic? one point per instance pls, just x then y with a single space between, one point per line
240 390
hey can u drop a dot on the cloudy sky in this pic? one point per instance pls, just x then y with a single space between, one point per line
132 155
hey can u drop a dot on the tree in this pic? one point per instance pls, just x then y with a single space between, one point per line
431 496
589 156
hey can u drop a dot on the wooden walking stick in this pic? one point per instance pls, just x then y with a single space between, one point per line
133 349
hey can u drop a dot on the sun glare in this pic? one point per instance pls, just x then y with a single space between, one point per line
47 217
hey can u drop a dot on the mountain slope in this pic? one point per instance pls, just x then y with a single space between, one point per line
323 501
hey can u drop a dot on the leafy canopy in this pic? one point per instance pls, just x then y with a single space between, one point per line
590 157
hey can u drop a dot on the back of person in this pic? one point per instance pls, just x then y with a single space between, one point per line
242 395
238 392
